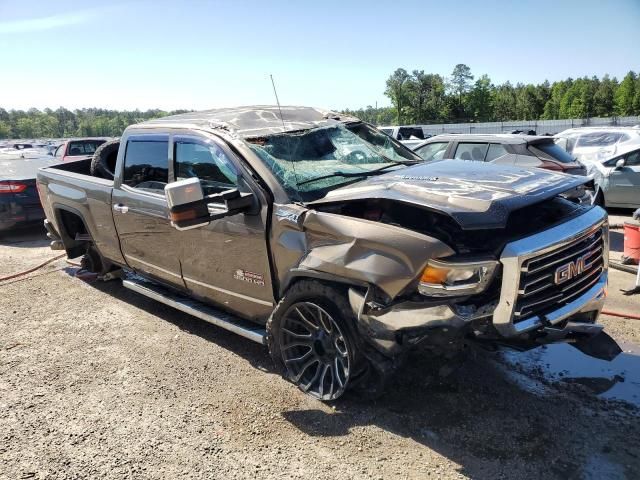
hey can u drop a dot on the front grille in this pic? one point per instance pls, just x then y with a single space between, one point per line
541 292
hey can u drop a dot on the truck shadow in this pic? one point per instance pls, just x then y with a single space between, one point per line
257 355
616 241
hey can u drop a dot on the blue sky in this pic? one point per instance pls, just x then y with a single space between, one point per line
203 54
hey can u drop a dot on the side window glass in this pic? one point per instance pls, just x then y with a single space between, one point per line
206 161
495 151
633 159
433 151
561 142
471 151
146 163
59 150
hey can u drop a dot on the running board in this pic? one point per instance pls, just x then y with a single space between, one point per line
198 309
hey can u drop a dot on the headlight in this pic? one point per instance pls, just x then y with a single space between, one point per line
450 279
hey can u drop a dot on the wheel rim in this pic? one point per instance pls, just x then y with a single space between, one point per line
314 351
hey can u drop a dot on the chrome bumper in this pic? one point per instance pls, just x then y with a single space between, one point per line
516 253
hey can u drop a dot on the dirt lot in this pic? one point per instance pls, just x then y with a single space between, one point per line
96 381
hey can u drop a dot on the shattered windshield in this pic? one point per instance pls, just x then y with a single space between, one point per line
313 162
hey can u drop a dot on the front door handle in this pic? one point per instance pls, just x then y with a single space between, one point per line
118 207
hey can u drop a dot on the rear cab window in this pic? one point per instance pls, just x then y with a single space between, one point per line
83 147
410 133
146 163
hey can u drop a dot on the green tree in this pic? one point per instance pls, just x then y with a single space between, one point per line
625 95
603 97
461 79
481 99
552 107
504 102
398 91
5 130
527 107
25 128
636 98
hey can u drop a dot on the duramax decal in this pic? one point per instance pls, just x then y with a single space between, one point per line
250 277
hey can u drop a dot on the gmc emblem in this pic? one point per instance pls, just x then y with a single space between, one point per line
566 272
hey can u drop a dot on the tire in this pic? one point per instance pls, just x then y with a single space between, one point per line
311 336
599 199
93 262
103 163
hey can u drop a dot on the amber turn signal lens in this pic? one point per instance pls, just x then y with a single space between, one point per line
183 216
434 275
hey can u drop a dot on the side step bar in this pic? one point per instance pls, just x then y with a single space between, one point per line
197 309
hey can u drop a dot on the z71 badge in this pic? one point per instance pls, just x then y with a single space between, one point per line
250 277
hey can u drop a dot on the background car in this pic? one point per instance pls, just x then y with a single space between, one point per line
78 149
617 179
19 200
594 144
508 149
410 135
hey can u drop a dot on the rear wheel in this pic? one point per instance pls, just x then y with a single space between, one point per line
93 262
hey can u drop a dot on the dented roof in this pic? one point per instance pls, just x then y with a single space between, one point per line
257 120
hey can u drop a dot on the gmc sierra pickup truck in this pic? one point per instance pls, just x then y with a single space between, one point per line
318 235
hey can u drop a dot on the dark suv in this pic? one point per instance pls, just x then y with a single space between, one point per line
507 149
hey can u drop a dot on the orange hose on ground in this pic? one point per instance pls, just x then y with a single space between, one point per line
20 274
621 314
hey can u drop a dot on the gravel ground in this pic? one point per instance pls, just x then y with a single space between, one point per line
97 381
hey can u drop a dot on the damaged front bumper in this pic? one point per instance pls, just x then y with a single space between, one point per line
394 328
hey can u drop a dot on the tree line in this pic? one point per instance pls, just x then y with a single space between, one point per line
425 98
88 122
416 98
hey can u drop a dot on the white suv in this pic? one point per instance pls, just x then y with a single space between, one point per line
595 144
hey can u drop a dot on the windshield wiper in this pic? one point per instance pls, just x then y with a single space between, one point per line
353 174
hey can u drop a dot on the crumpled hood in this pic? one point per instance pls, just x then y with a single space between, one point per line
476 195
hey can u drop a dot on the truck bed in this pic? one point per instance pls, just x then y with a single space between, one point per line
68 189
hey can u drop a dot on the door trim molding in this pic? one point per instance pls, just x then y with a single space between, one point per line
168 272
229 292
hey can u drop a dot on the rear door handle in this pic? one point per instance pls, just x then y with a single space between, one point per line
118 207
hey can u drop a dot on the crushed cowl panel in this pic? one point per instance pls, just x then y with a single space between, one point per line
475 195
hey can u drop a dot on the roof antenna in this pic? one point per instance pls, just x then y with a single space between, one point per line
284 132
278 102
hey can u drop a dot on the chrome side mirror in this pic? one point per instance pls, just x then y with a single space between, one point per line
620 163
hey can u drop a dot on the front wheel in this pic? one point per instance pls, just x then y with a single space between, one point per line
312 342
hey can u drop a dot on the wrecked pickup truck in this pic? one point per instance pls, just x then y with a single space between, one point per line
319 236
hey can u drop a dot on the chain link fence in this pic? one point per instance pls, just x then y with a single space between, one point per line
541 127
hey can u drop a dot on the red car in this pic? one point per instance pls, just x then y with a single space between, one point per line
78 149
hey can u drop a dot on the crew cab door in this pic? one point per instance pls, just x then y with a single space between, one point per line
226 261
624 182
140 211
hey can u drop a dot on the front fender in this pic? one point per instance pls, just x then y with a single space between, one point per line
357 251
